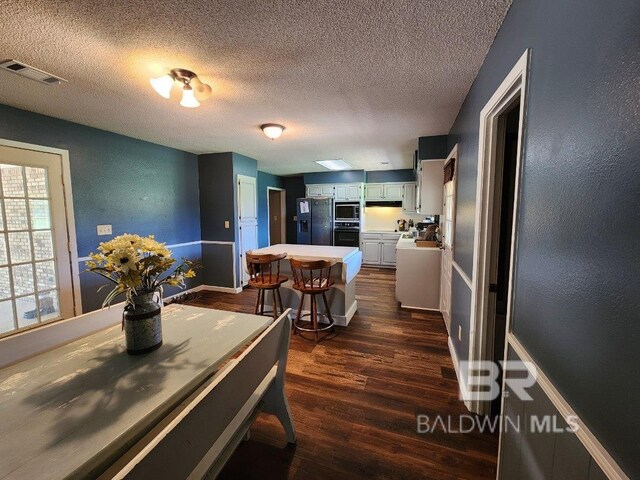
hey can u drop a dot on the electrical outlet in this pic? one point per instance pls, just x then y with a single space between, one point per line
226 224
460 332
295 218
103 229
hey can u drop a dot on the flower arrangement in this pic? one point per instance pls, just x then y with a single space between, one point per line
135 265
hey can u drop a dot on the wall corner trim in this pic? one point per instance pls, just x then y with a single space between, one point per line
466 279
456 366
602 457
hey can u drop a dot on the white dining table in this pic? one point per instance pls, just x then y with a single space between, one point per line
72 411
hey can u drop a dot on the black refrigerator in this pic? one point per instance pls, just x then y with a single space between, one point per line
315 220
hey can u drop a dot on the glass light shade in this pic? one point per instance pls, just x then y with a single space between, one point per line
163 85
272 131
188 98
203 91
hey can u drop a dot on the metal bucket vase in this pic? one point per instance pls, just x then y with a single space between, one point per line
142 325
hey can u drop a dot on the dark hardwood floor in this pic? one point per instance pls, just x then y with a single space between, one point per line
354 399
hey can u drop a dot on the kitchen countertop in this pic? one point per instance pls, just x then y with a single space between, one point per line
340 254
410 244
382 231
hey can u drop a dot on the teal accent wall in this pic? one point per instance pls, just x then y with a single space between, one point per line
133 185
344 176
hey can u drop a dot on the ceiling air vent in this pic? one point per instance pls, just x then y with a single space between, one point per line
31 72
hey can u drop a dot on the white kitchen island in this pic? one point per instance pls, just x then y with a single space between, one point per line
342 297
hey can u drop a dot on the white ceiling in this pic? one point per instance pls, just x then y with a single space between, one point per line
354 79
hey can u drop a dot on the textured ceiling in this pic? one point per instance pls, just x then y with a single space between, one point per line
352 79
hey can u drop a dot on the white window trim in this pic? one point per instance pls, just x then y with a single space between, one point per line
68 201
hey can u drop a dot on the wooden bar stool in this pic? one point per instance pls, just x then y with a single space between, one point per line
312 277
263 277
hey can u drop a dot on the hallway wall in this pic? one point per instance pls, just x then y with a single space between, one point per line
576 299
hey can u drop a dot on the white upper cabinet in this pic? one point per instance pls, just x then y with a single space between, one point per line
348 192
409 200
391 192
374 191
321 190
313 190
431 187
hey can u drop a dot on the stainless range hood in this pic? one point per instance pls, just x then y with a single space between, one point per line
383 203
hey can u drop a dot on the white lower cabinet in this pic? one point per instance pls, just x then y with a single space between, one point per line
371 251
388 255
379 248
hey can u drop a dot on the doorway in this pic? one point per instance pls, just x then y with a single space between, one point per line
447 227
37 238
276 213
247 223
502 122
501 234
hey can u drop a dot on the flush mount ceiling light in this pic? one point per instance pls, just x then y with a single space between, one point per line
337 164
272 130
193 90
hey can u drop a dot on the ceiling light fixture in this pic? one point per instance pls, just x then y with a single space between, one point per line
193 90
337 164
272 130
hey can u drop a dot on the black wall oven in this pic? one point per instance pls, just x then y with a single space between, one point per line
346 235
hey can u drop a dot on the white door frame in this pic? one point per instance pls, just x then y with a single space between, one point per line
283 213
452 154
244 222
70 217
481 332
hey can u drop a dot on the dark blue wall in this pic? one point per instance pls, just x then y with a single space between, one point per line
135 186
433 147
576 298
381 176
295 189
219 203
344 176
265 180
217 189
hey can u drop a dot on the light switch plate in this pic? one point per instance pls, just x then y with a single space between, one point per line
226 224
104 229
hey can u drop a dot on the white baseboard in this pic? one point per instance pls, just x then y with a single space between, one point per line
214 288
424 309
207 288
456 366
